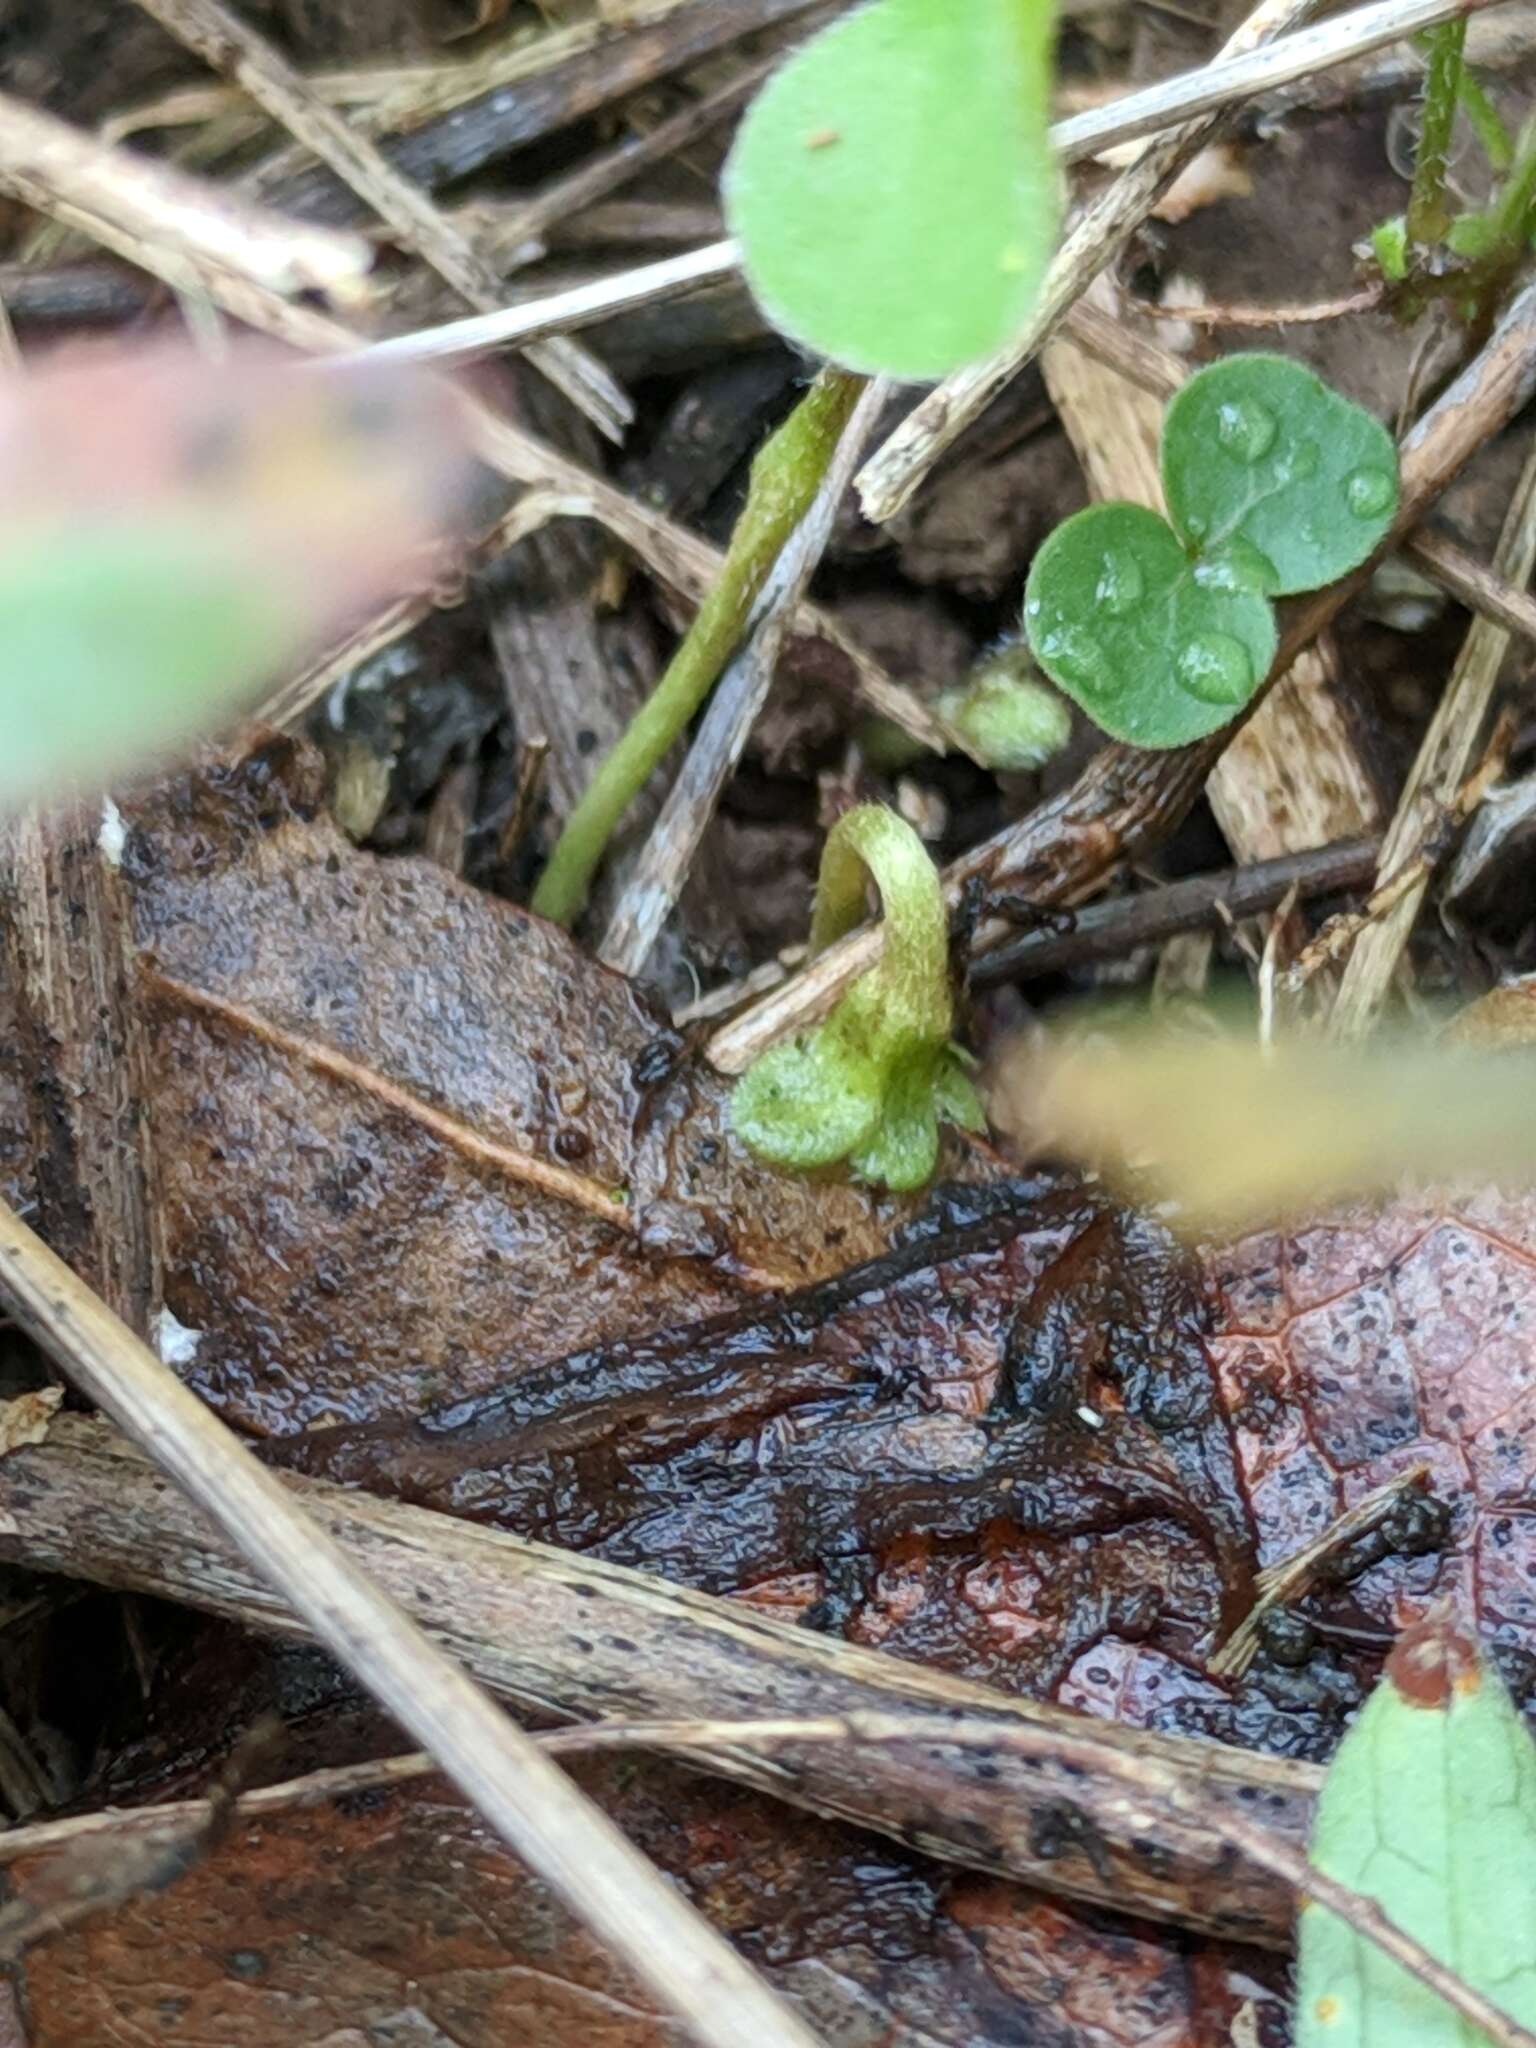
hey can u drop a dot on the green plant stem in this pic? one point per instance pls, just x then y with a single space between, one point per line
786 475
1512 210
1428 217
1487 122
914 968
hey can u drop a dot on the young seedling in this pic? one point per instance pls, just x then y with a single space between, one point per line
871 1083
1434 251
892 186
1162 629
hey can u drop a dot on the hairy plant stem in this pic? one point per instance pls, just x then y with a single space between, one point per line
1428 217
785 476
1486 121
1512 211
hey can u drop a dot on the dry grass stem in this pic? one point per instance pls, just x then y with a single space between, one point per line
227 43
1444 757
193 235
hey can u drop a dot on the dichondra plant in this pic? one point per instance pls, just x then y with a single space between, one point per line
1162 629
871 1083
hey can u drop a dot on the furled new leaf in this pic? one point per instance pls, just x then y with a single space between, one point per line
893 187
871 1083
1429 1808
1157 648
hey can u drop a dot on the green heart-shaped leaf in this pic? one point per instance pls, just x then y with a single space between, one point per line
1157 648
1258 451
892 186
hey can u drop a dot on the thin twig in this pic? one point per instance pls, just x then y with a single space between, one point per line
579 306
659 874
1125 798
1471 582
231 46
193 235
532 1805
1312 313
450 119
1437 826
1437 773
1110 930
608 170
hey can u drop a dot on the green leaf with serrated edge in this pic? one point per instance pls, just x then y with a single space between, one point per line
892 185
1158 649
1429 1807
1259 450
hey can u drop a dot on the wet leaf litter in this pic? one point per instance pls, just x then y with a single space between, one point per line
429 1189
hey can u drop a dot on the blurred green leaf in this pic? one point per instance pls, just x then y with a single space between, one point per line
117 643
175 533
893 188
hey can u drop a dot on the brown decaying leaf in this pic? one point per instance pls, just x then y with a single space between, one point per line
405 1139
396 1918
329 1087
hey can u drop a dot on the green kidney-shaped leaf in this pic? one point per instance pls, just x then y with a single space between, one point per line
1429 1807
1157 648
1260 454
893 188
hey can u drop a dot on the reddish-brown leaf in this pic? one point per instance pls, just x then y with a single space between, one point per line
396 1918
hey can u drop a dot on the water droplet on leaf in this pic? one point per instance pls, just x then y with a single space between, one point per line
1236 565
1121 583
1246 428
1369 492
1075 656
1215 668
1302 461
